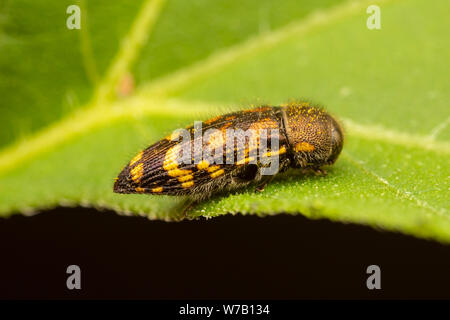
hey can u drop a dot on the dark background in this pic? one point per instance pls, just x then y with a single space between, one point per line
230 257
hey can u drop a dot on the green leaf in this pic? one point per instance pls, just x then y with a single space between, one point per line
387 86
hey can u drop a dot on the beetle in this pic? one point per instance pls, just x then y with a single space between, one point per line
307 137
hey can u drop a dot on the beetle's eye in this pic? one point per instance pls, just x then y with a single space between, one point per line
336 141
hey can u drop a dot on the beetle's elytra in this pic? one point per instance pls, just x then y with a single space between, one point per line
300 135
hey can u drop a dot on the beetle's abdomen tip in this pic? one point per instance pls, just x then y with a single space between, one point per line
121 183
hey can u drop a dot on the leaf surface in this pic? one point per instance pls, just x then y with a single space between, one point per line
387 86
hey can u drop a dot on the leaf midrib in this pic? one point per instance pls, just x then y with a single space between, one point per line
129 50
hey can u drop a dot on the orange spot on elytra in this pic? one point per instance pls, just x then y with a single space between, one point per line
303 146
157 190
136 158
137 172
203 165
213 168
187 184
217 173
209 121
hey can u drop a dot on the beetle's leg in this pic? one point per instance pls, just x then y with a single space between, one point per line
187 206
263 183
318 171
268 178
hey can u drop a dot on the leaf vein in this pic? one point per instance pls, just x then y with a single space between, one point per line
403 194
376 132
129 49
439 128
177 80
139 106
85 47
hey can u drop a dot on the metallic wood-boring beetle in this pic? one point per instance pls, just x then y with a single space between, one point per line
308 138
